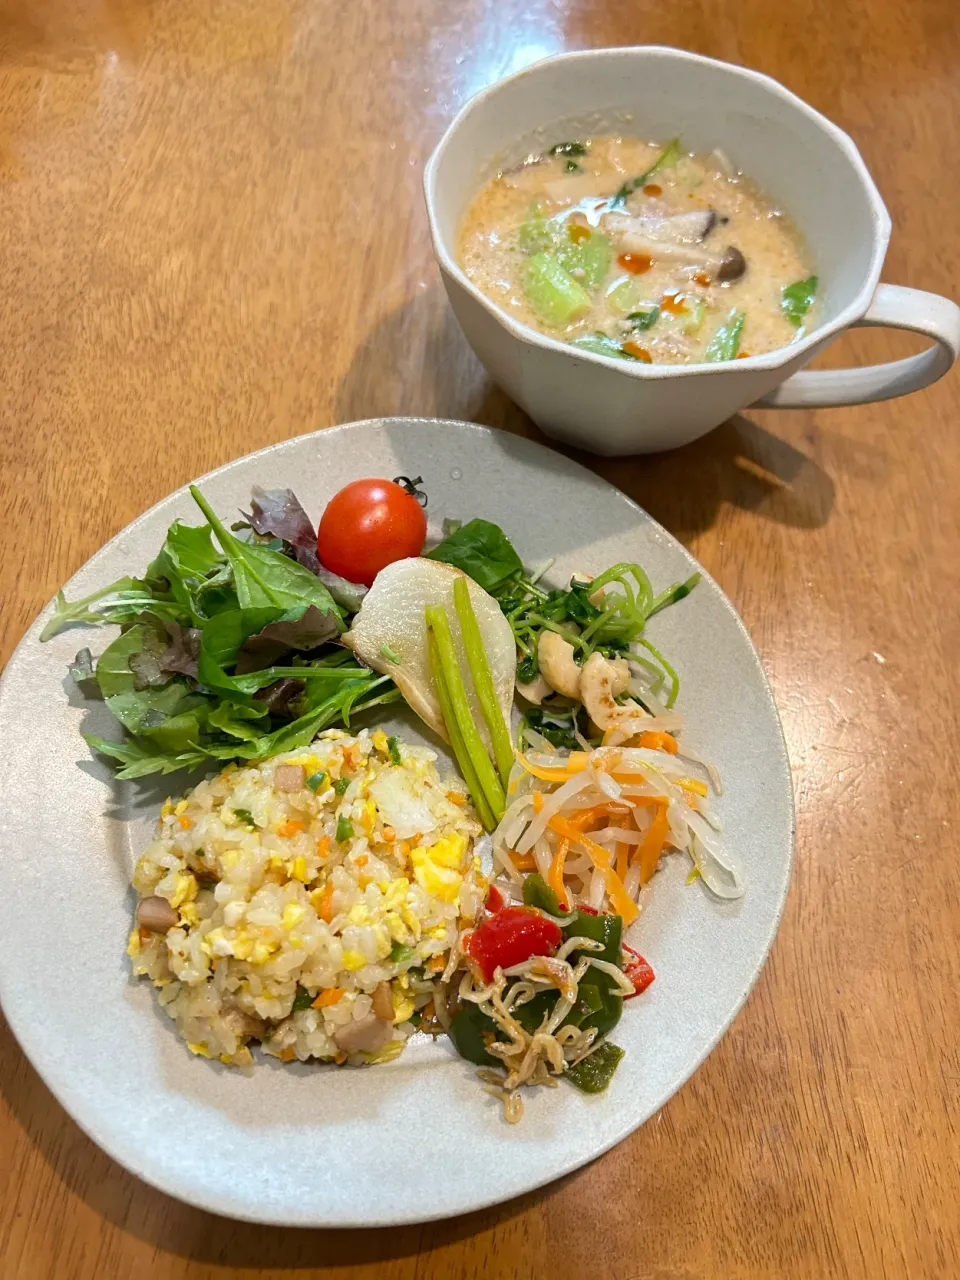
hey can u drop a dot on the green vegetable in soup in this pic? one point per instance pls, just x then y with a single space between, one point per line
536 234
591 255
665 160
628 295
797 298
552 292
600 345
693 321
575 148
644 319
725 343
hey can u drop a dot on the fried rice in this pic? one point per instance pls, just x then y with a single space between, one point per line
308 902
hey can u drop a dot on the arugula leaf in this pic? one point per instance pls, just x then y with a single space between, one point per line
235 720
796 299
121 601
139 759
482 550
265 578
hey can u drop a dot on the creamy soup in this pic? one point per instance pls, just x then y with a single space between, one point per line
640 251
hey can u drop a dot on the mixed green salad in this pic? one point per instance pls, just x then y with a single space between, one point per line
231 642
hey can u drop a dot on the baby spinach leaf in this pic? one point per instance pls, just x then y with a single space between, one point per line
482 550
113 667
139 709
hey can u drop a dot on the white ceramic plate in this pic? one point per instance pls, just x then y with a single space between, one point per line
416 1139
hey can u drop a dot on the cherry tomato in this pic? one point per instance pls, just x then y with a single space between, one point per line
368 525
637 970
510 937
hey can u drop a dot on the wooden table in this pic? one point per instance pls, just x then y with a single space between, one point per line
213 238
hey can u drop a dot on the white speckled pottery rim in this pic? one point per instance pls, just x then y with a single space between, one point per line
305 1146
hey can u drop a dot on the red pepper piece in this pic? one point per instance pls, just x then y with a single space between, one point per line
494 902
510 937
637 970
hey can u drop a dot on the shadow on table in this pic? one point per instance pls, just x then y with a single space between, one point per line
416 362
175 1228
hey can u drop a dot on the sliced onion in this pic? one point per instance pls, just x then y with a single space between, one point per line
552 806
717 869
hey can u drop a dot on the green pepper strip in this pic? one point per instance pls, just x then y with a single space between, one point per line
483 679
456 738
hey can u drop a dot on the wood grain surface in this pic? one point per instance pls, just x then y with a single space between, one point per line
212 237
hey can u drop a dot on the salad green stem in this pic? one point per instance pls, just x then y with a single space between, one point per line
671 674
456 738
483 679
437 621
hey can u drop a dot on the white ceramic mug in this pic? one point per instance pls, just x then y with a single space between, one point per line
808 166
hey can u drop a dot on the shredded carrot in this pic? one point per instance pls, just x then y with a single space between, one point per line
537 801
523 861
623 850
456 797
362 860
288 1054
693 784
555 874
649 852
584 818
325 910
659 741
436 963
327 998
389 835
184 821
323 846
339 1058
290 827
622 902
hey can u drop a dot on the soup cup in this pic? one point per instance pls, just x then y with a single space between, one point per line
806 165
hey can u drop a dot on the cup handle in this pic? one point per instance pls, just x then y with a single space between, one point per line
897 308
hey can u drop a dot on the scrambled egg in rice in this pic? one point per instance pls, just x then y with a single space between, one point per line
306 902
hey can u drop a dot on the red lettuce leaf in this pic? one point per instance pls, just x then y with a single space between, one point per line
310 630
